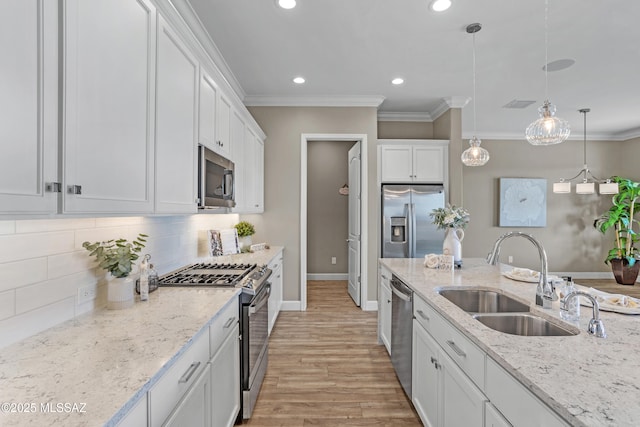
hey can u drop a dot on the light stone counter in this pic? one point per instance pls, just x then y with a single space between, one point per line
588 381
106 360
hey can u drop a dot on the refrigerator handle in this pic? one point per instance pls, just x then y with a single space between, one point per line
406 248
412 230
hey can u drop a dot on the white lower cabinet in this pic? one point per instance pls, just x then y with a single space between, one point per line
137 416
384 307
194 410
225 381
442 394
275 299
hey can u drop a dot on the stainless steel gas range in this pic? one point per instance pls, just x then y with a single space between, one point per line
254 315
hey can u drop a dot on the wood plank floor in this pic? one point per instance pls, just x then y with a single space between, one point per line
326 368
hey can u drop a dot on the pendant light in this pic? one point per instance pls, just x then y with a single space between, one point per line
474 155
586 186
548 129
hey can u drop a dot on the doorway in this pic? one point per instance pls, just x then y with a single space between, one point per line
351 139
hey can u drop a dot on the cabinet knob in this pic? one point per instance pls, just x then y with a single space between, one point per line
74 189
53 187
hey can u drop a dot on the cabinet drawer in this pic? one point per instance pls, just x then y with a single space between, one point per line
466 354
515 402
173 384
275 264
423 313
223 325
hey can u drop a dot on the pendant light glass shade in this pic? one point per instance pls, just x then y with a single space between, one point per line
548 129
474 155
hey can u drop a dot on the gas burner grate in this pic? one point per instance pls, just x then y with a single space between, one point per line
208 274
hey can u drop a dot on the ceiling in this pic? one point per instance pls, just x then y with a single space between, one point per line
349 50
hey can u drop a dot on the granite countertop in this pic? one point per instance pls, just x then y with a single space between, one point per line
103 362
588 381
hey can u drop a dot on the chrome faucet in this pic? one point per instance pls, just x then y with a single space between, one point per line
596 327
544 292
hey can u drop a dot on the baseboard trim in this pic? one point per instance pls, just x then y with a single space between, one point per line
327 276
370 306
290 306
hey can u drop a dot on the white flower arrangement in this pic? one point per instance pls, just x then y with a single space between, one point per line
450 217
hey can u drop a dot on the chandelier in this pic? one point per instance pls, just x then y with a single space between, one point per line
586 186
474 155
548 129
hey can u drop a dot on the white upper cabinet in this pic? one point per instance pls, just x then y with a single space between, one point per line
413 161
28 105
215 117
176 124
238 155
108 108
253 173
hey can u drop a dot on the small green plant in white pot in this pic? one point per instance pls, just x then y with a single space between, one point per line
245 231
117 258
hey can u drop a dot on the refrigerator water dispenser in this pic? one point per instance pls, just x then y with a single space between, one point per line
398 229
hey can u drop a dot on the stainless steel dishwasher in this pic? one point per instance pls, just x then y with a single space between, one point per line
401 332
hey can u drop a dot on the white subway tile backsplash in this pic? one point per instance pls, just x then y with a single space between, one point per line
24 325
43 293
69 263
43 263
15 247
7 304
43 225
7 227
20 273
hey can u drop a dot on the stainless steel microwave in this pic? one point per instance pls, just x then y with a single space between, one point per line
215 180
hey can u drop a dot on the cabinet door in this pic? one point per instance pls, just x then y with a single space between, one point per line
176 121
396 162
275 299
426 387
223 125
109 99
194 410
137 416
385 316
250 173
239 161
428 164
225 382
493 417
28 105
207 111
259 166
462 402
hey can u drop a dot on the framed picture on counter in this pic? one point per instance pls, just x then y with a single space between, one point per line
523 202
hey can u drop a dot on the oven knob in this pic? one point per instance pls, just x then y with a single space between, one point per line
249 283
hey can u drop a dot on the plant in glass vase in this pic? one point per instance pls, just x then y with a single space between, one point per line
623 256
453 220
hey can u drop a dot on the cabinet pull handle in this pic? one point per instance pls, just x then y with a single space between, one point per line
229 322
53 187
435 362
74 189
389 301
424 316
189 373
457 349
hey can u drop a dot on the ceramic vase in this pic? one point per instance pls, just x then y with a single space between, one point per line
452 244
120 292
245 243
624 274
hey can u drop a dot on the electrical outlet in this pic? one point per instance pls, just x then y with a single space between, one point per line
86 293
510 259
333 260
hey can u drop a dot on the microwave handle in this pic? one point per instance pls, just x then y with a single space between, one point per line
228 184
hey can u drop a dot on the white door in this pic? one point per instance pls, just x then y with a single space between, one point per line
354 223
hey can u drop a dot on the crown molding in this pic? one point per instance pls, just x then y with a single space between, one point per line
313 101
391 116
449 103
628 134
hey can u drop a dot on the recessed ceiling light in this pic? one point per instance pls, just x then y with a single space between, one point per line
397 81
440 5
287 4
298 80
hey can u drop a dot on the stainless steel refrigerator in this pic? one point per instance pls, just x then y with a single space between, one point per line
407 230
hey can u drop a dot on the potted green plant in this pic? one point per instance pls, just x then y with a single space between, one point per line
623 256
117 258
245 231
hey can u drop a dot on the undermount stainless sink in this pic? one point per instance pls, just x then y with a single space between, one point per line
483 301
524 324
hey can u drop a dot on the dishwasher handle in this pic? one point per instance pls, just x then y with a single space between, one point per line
401 290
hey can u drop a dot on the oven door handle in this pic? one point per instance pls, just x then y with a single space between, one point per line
254 307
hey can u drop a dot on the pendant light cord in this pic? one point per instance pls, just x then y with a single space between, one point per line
474 84
546 49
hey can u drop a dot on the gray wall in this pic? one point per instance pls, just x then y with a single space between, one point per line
327 210
280 223
405 130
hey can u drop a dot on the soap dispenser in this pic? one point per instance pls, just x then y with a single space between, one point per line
569 312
